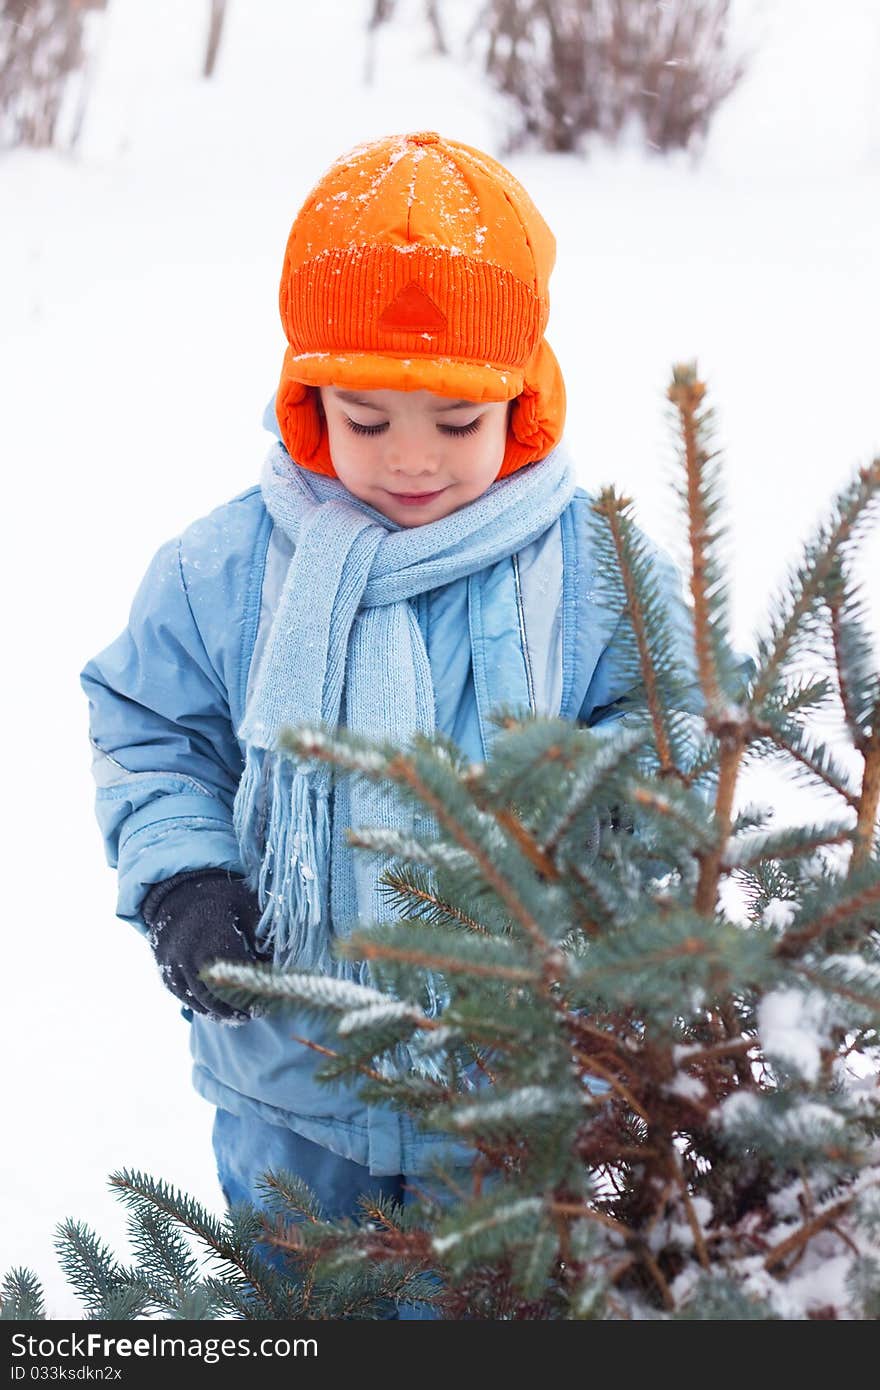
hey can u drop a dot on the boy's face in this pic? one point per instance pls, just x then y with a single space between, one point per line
388 446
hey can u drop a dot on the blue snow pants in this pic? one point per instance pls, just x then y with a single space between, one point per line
245 1148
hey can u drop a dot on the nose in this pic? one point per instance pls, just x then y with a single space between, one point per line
412 453
414 463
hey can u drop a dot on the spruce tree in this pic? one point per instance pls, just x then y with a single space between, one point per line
661 1036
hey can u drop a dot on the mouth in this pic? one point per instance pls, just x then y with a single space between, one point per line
415 498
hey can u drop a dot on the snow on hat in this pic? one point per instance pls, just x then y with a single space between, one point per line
419 263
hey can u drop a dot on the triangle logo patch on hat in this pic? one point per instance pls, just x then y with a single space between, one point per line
413 311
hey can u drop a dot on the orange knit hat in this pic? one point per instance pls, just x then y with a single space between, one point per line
418 263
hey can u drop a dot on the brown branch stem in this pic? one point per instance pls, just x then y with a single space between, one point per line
375 950
696 1230
686 396
804 1233
728 1048
615 1083
870 796
732 747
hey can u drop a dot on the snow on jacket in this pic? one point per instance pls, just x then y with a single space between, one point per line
165 700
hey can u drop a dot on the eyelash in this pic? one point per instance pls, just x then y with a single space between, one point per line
448 429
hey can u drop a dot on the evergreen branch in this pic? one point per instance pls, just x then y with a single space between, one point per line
631 563
128 1301
232 1295
527 758
265 981
802 695
686 393
401 768
851 714
533 1266
478 1061
131 1188
752 816
808 929
854 657
650 1263
500 1216
652 963
384 840
810 580
288 1192
611 752
390 1011
704 766
368 948
592 1064
21 1297
806 1232
410 885
642 1252
163 1250
817 758
351 752
584 1213
696 1229
626 1061
828 980
606 897
789 840
730 1047
329 1052
682 808
89 1265
380 1211
681 950
514 1107
527 843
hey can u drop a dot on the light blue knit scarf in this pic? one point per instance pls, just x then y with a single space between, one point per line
345 647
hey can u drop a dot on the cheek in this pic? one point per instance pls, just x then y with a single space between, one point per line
493 447
354 458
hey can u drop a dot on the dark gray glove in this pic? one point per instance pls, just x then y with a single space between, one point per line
195 918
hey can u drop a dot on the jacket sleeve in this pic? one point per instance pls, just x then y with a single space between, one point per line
165 758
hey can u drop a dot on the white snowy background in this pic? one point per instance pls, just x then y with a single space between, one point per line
139 343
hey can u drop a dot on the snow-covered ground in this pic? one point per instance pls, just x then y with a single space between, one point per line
139 342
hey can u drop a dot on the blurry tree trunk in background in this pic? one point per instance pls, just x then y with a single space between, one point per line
44 50
385 10
581 67
382 11
432 9
215 34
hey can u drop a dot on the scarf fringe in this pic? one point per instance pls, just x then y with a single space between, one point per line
283 827
282 822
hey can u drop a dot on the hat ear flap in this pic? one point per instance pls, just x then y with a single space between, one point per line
537 419
302 422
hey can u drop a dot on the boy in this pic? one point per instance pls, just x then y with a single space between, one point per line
416 554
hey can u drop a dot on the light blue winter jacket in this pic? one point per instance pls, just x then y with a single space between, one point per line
166 697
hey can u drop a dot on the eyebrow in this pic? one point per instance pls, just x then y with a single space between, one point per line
352 399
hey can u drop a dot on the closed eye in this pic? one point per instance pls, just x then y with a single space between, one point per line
445 429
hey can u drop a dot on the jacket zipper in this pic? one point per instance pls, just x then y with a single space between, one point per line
522 634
